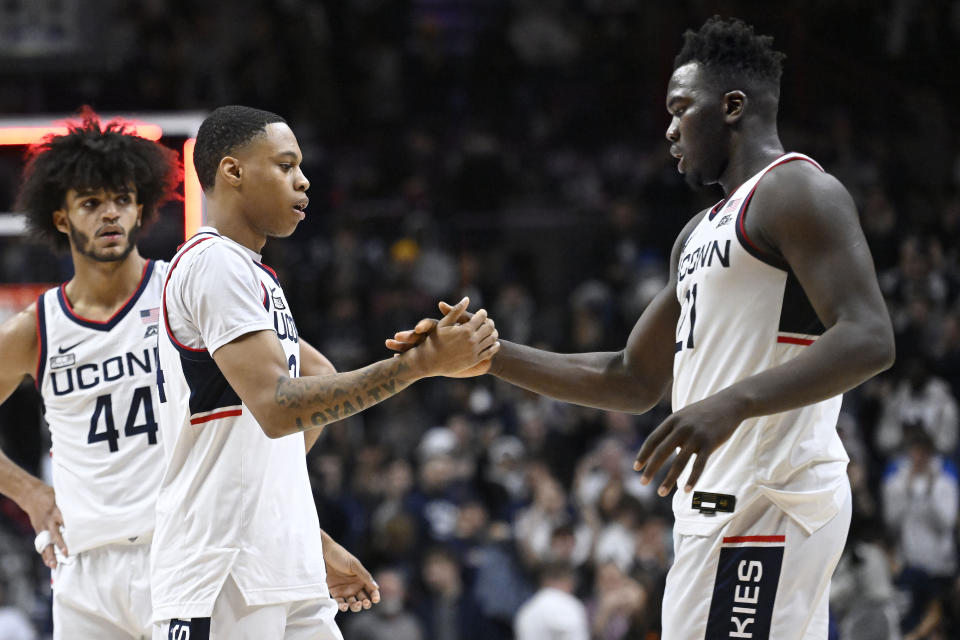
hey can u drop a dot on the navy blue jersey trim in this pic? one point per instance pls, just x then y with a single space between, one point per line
120 314
270 272
797 314
764 256
190 629
716 209
209 389
747 244
41 341
744 591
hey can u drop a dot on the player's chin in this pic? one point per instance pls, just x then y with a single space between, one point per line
286 229
111 254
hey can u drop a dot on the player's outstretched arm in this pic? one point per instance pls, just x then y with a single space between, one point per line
808 218
18 353
632 380
256 367
349 582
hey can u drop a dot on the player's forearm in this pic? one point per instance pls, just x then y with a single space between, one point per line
15 483
599 380
845 356
312 402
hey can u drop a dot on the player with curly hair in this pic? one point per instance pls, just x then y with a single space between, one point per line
91 347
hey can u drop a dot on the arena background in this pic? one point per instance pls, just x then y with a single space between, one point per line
513 150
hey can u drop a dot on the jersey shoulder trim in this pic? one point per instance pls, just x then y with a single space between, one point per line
181 251
120 313
270 272
41 341
741 229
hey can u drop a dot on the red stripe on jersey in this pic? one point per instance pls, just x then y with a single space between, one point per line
736 539
790 340
216 416
272 272
746 203
163 297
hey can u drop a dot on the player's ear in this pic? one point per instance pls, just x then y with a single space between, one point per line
734 103
60 221
230 170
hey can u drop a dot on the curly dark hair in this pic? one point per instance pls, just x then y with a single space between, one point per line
224 131
733 53
94 156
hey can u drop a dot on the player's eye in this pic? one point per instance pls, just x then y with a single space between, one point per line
91 203
124 199
285 166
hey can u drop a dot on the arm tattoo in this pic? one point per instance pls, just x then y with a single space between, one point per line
325 399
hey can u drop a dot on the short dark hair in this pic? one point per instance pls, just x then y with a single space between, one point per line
94 156
733 53
224 131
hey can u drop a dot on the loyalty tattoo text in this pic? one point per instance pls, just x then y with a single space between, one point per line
350 393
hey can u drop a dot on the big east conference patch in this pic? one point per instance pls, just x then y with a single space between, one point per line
745 588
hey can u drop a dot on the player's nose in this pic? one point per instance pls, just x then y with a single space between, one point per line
673 130
300 182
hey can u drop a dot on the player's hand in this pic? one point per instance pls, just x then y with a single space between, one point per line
697 429
41 507
454 346
349 582
403 341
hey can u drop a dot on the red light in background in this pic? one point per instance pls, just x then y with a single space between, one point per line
192 194
33 135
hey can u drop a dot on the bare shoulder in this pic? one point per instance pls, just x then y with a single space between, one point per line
798 188
18 342
795 199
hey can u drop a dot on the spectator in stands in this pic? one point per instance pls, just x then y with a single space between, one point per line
920 501
553 612
448 611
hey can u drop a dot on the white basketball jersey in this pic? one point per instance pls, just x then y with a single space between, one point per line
232 501
98 382
743 312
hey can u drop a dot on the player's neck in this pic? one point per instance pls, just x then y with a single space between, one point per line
98 289
230 224
749 158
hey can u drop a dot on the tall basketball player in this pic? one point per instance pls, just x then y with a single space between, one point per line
237 552
771 313
91 347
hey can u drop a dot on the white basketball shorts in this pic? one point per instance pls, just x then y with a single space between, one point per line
233 619
103 593
760 577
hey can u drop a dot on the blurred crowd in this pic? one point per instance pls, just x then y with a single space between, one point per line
512 151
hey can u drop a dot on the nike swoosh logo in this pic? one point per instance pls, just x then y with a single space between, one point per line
62 350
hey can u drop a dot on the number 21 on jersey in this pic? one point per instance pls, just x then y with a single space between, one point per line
688 320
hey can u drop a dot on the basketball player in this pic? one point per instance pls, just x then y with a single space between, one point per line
772 311
237 551
91 347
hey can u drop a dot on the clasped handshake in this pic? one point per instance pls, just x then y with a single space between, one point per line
459 345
